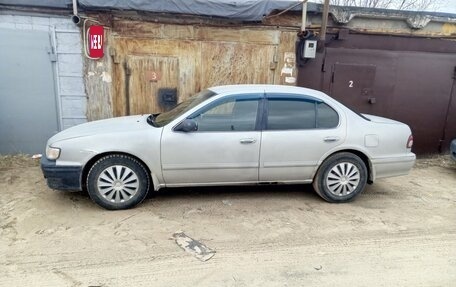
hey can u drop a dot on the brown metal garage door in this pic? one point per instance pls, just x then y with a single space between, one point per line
412 87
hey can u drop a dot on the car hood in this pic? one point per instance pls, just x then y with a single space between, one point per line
120 124
381 120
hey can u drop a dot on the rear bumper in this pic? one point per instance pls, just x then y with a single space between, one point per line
453 149
61 177
393 166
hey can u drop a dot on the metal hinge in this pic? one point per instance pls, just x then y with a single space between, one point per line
52 55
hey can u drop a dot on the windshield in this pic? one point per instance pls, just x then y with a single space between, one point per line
167 117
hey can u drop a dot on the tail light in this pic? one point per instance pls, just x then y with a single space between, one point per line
410 141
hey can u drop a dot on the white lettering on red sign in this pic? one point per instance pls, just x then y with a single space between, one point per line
96 42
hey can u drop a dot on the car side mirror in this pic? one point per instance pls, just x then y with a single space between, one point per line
186 126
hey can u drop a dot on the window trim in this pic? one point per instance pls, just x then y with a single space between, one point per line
316 116
247 96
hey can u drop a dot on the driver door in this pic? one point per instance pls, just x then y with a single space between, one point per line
224 149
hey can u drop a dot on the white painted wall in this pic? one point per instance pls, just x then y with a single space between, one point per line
66 39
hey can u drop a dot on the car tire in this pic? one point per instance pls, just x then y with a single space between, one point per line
118 182
341 178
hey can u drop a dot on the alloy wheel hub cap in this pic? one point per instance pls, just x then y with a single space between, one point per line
117 183
343 179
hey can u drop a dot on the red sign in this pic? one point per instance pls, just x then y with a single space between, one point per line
153 76
96 39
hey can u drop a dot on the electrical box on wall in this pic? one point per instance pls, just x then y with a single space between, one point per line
310 49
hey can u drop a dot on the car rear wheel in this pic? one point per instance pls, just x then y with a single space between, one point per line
341 177
118 182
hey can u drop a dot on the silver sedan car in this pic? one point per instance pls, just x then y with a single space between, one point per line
230 135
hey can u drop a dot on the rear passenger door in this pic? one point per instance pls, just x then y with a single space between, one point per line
298 130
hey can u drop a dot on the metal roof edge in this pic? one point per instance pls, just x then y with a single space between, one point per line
414 19
249 11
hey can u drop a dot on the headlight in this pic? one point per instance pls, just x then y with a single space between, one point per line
52 153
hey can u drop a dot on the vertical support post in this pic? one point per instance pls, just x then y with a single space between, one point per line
57 80
324 23
127 88
304 15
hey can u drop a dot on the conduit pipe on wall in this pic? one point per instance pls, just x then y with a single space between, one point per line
75 18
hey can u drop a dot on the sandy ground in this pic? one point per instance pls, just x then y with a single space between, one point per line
399 232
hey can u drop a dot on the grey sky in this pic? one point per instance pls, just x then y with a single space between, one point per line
449 6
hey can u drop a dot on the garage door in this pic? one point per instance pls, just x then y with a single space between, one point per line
28 110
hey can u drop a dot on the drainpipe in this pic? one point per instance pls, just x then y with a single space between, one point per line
75 18
304 15
324 22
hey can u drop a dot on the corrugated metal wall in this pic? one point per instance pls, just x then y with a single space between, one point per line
28 110
70 80
67 66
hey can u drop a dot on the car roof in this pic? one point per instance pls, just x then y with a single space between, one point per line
267 89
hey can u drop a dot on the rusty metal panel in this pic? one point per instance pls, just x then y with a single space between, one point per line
146 75
353 85
311 75
236 63
382 87
412 87
422 95
395 43
450 124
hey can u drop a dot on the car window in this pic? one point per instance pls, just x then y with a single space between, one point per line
297 114
327 117
291 114
229 115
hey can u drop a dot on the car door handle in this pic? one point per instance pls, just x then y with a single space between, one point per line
331 139
247 141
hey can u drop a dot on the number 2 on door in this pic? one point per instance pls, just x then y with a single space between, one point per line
350 84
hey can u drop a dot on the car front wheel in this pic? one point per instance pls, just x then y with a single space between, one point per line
118 182
341 177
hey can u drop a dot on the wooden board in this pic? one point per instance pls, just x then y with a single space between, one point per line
206 56
236 63
146 75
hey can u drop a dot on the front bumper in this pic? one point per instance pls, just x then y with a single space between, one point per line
61 177
453 149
